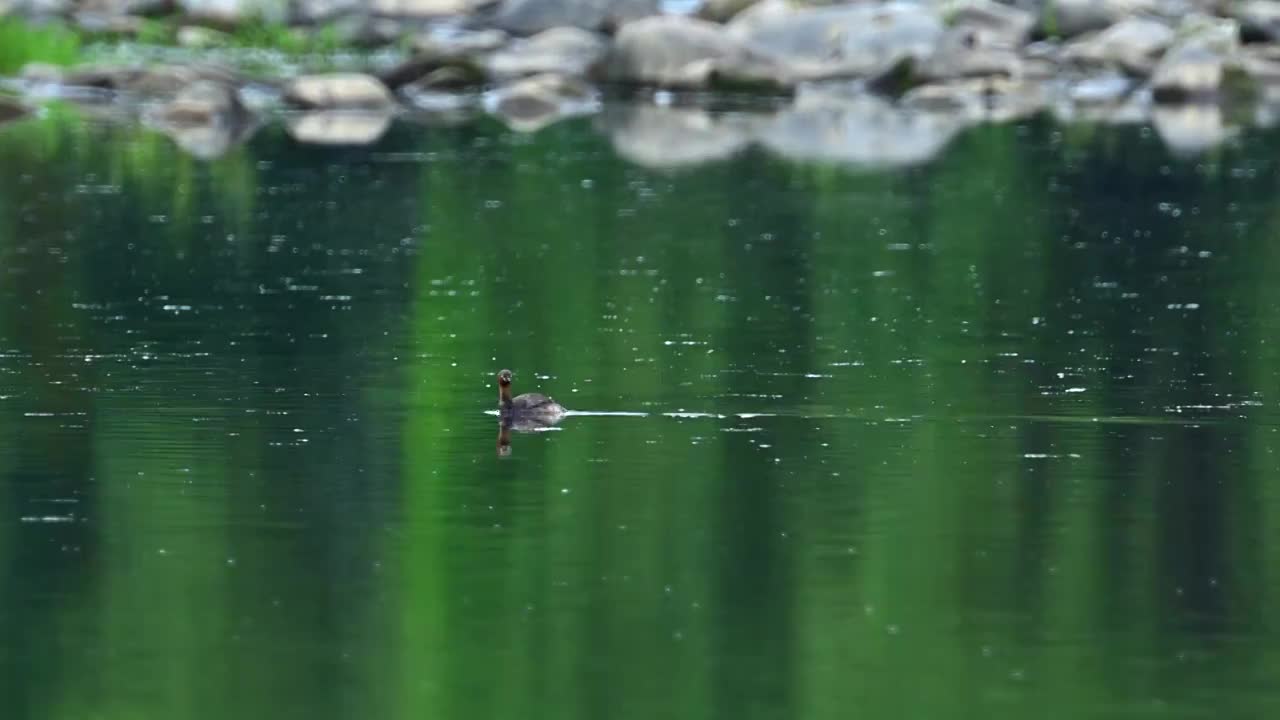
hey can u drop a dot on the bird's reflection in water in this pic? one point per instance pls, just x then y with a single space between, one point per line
508 425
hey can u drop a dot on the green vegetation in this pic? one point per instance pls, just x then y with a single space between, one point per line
298 41
21 43
1049 20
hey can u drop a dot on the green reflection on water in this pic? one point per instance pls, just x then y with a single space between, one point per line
988 436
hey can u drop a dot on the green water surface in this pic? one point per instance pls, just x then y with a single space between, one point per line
992 437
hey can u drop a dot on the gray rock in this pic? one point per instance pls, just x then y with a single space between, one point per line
445 42
126 26
232 13
1015 99
1188 73
1257 17
761 14
565 51
448 79
1069 18
1220 36
1038 70
996 100
964 99
1261 64
1107 89
859 130
339 90
423 9
1190 129
339 127
1133 108
39 73
856 38
144 82
36 8
446 53
430 70
532 103
962 53
113 78
670 138
681 52
43 82
312 12
1133 44
437 100
1194 68
722 11
997 23
528 17
197 37
139 8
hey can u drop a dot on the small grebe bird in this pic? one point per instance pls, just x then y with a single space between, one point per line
527 407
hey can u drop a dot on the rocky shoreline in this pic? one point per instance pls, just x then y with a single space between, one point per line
867 82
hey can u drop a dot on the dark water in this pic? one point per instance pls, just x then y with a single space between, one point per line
995 436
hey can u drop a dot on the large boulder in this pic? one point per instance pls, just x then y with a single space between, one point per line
529 17
310 12
1217 34
1133 44
1193 70
849 39
1069 18
232 13
1189 73
965 53
563 51
681 52
1105 89
339 90
760 14
423 9
197 37
996 23
1258 18
722 11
